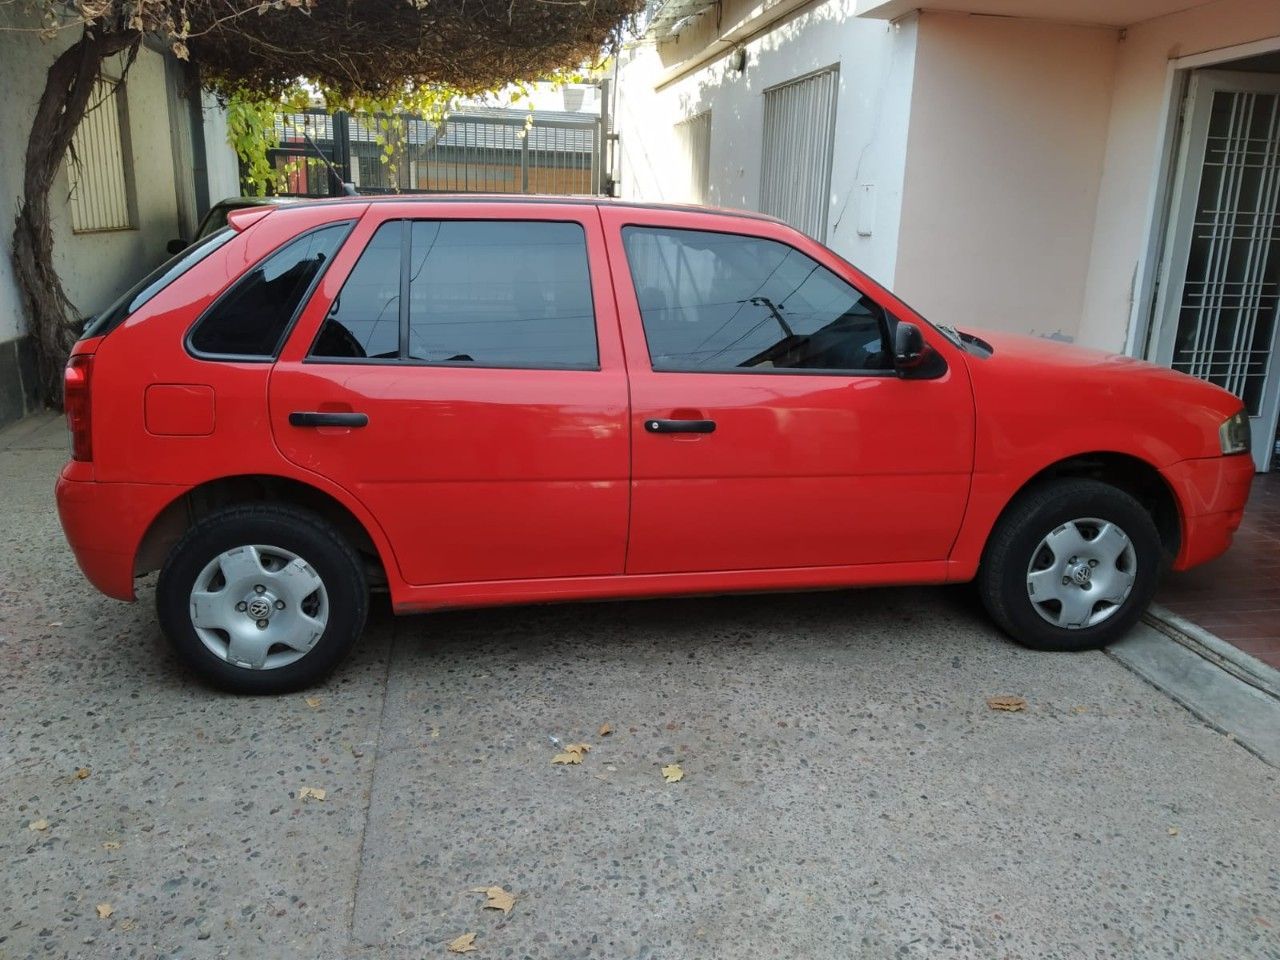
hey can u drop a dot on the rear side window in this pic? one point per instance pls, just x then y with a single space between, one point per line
364 321
720 302
251 319
484 293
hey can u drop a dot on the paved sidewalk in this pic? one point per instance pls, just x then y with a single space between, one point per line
847 791
1237 596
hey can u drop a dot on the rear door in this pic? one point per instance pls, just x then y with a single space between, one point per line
460 372
769 429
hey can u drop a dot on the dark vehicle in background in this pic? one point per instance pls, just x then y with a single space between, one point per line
216 218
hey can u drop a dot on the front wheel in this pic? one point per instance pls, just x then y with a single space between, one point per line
262 598
1071 565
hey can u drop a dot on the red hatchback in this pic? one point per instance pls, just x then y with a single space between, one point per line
469 401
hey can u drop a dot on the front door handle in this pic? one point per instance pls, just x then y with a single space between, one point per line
680 426
319 418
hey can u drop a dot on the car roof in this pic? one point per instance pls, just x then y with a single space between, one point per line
517 199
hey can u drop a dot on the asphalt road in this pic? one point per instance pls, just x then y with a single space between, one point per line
847 792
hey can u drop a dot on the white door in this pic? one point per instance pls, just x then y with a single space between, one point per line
1216 313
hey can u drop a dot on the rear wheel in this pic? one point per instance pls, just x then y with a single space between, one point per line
1071 566
262 598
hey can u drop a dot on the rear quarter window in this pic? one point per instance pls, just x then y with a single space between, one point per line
137 296
251 319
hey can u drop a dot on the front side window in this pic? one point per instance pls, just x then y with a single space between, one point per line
722 302
485 293
250 320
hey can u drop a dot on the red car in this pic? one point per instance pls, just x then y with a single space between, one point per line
472 401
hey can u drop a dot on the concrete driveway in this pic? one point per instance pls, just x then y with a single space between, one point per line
847 792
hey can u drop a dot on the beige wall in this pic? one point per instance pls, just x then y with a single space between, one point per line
1126 198
1004 155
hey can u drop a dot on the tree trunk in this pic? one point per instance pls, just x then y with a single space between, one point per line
62 105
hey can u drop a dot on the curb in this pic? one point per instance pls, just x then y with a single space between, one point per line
1217 651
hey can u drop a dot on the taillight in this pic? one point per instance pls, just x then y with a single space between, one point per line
75 400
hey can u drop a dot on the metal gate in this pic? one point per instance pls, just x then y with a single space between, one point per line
1216 314
497 152
799 135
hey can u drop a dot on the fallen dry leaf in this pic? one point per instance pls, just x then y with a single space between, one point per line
578 748
1007 704
672 773
311 793
499 899
567 757
111 845
38 825
83 773
105 910
463 944
313 702
604 730
1173 831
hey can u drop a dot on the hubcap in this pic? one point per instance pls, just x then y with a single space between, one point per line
1081 573
259 607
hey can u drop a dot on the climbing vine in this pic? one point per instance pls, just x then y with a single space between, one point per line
399 58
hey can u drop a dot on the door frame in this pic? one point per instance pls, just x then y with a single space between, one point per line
1149 273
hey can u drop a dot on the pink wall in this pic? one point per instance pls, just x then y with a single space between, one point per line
1134 146
1004 154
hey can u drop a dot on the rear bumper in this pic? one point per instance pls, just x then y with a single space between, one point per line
105 522
1211 496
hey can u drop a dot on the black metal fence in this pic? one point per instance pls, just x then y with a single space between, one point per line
491 152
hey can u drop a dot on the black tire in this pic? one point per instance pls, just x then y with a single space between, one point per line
1003 577
296 530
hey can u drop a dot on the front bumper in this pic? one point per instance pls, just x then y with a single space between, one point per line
1211 497
105 522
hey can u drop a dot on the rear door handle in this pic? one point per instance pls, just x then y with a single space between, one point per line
316 418
680 426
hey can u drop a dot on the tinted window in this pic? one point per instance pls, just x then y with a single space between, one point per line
717 301
153 283
500 294
250 320
365 319
489 293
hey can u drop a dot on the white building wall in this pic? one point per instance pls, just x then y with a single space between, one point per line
222 165
1128 200
94 267
876 63
1008 134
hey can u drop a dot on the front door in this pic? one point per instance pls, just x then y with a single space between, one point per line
768 428
460 373
1216 312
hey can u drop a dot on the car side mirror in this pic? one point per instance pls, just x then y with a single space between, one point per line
176 246
908 346
912 356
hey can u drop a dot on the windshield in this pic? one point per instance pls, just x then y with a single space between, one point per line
153 283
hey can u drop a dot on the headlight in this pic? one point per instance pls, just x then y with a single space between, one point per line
1234 434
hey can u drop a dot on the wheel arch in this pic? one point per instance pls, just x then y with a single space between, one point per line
184 511
1138 477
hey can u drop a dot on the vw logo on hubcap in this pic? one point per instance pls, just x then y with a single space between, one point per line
1081 575
259 608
